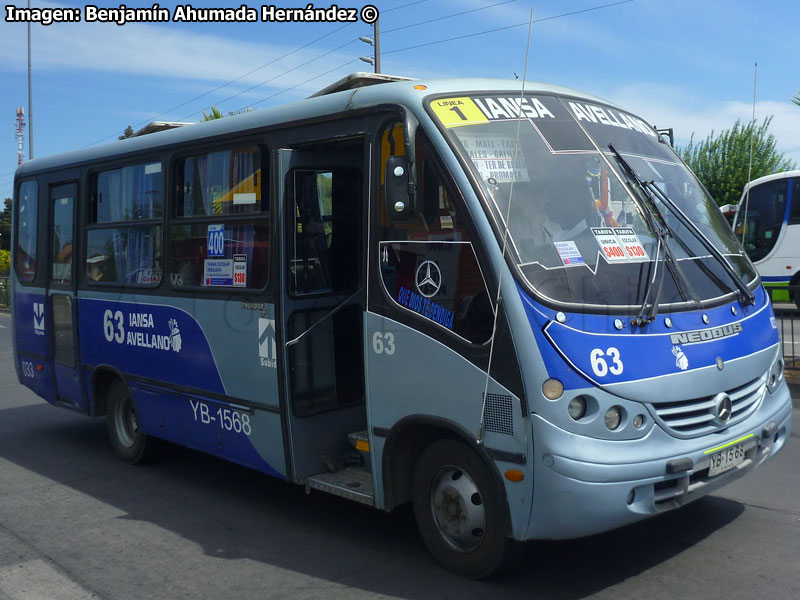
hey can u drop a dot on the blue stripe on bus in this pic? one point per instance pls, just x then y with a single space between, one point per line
645 353
154 341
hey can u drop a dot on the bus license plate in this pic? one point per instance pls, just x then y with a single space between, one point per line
726 459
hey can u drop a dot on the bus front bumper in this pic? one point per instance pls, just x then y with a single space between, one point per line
576 497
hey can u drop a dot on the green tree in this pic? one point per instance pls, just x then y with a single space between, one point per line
214 114
5 226
796 99
127 133
722 161
5 262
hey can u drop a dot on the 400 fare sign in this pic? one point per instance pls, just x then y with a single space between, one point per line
139 329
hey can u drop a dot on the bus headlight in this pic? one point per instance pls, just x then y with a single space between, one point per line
577 408
613 417
775 375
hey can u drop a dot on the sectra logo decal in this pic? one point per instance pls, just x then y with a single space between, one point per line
428 279
38 318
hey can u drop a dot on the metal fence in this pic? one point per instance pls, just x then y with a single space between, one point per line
787 315
5 291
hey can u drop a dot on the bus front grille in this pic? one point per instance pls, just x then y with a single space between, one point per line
698 416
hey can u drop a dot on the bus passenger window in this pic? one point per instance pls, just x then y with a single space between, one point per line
123 239
219 231
62 241
27 217
429 266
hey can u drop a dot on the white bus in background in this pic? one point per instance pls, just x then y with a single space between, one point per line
770 231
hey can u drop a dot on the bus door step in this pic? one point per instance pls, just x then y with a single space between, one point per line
353 483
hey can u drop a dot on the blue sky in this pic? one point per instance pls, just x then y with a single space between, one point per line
681 64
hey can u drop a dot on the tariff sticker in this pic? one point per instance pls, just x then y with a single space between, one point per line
609 244
630 242
240 270
569 253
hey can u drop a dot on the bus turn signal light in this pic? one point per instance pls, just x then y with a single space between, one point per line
40 367
514 475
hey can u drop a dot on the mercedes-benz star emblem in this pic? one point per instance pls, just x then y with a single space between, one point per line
428 278
724 408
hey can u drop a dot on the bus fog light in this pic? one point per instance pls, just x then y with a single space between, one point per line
613 417
638 421
552 389
577 408
780 369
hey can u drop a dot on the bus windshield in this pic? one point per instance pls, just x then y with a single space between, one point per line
761 218
575 228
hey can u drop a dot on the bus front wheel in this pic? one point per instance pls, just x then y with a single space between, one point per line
128 441
458 508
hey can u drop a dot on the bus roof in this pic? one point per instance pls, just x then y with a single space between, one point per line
774 176
395 92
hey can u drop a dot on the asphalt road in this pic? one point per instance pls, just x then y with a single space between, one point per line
75 523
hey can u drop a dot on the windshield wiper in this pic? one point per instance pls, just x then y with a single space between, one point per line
648 315
745 295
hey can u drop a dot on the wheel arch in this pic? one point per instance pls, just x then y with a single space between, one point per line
406 441
103 377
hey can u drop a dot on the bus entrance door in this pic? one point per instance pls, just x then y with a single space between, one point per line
322 302
61 295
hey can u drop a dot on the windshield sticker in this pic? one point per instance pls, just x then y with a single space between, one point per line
630 242
217 272
504 108
453 112
216 240
240 270
610 117
569 253
493 157
609 244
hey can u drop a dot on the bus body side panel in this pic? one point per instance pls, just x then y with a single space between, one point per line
202 371
30 341
424 377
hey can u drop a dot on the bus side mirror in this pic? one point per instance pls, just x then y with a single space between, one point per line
401 195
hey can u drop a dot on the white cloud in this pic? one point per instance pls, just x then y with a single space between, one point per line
666 106
163 52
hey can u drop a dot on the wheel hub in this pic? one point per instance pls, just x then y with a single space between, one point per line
458 510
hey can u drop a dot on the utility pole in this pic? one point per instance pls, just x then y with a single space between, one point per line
30 94
375 42
19 129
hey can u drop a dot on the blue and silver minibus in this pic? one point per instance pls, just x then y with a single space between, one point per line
508 304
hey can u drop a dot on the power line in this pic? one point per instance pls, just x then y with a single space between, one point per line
282 74
383 12
219 87
253 71
308 80
458 14
469 35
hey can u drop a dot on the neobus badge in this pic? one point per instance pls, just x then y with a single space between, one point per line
705 335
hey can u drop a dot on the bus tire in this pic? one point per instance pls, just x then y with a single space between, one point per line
128 442
459 512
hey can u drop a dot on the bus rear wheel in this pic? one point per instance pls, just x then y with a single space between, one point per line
127 440
458 509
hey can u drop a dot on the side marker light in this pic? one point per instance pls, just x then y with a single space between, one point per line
514 475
